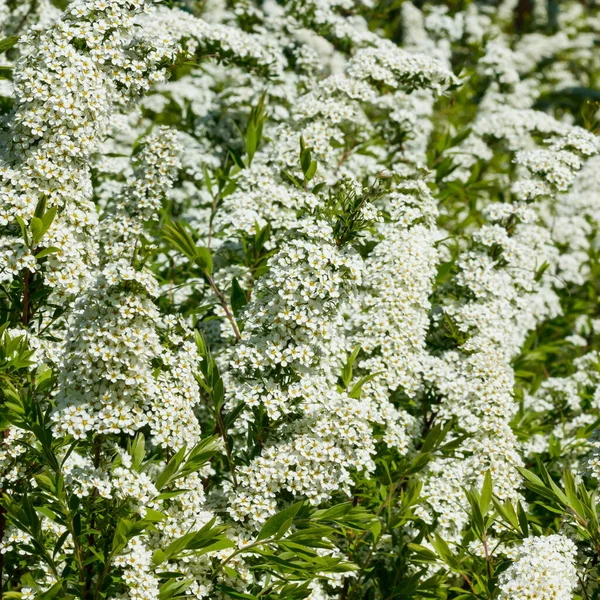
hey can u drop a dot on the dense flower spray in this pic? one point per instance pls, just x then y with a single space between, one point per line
299 300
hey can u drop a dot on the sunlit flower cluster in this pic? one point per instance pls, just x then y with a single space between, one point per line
299 299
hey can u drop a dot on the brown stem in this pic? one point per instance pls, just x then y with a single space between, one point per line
225 306
344 594
464 576
30 10
487 555
523 12
101 578
343 158
582 584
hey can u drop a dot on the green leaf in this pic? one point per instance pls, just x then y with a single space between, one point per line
477 523
251 140
278 524
170 494
318 187
486 493
230 417
310 172
154 516
557 491
331 514
59 543
357 387
200 455
48 219
254 128
261 237
507 512
458 138
444 552
534 483
206 539
40 209
158 557
204 259
137 451
46 252
422 554
237 159
305 160
7 43
571 493
23 228
522 519
376 529
218 394
36 226
347 368
293 179
239 298
121 536
179 237
50 593
44 510
432 439
233 593
540 272
168 473
172 588
222 544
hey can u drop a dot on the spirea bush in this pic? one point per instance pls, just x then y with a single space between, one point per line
299 299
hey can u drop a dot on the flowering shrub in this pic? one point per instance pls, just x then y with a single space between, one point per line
299 299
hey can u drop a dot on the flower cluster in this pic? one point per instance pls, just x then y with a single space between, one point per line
81 68
109 379
544 568
299 300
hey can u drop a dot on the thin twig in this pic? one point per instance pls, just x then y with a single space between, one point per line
225 306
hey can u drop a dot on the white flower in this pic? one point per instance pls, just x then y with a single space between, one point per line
544 568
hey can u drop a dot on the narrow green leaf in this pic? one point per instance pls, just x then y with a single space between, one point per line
312 169
522 515
204 259
7 43
278 524
170 469
305 160
422 554
137 451
239 298
486 493
47 252
48 219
